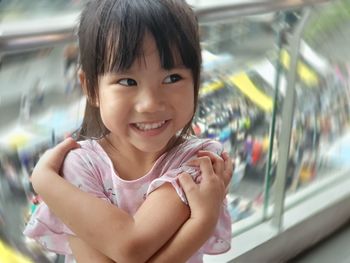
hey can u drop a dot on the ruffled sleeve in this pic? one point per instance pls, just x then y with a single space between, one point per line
48 229
220 241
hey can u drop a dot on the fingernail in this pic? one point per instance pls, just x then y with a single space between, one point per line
191 163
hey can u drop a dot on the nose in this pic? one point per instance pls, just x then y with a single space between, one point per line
150 100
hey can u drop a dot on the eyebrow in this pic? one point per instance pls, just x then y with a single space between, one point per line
131 71
125 71
179 66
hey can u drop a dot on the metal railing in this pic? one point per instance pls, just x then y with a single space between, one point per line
248 8
23 37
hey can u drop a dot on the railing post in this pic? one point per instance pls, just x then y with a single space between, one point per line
287 124
273 121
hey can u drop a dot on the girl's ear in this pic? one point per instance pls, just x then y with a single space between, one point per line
83 83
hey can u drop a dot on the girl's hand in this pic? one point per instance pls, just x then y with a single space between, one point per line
52 161
205 199
228 166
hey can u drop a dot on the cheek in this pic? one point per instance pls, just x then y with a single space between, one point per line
186 104
110 111
105 117
190 99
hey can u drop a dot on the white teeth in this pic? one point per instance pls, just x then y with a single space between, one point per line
149 126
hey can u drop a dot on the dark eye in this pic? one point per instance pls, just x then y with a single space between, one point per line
127 82
172 78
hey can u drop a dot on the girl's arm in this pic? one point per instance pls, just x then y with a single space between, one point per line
112 231
205 200
86 254
121 237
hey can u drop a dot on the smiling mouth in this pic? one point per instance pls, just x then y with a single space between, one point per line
143 126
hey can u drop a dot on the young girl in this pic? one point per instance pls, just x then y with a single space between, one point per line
128 193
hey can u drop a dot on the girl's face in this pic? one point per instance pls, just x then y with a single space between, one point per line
145 106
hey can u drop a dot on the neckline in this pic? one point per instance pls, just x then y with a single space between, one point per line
137 181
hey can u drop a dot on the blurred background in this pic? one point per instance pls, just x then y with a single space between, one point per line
274 90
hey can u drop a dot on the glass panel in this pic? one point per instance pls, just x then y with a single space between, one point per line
18 10
320 141
236 101
40 104
42 87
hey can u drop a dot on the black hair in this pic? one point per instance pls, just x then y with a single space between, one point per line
111 34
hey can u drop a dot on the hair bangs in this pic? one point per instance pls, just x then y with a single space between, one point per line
123 42
125 34
173 44
121 50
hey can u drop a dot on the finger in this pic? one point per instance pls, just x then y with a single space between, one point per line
55 156
228 167
65 146
217 161
205 165
187 183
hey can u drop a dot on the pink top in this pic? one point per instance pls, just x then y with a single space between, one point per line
97 176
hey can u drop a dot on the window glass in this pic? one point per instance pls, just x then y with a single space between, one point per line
236 101
18 10
320 141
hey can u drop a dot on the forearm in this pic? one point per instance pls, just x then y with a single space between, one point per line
84 220
83 253
186 242
205 200
108 229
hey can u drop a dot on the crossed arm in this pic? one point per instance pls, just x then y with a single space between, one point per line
154 234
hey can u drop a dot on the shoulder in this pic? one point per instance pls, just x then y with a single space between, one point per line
195 144
89 152
188 150
89 158
88 168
